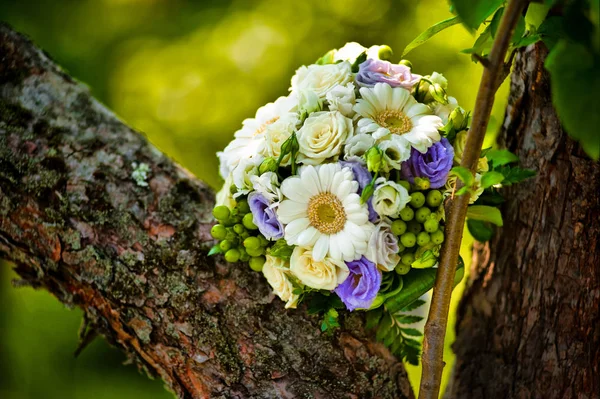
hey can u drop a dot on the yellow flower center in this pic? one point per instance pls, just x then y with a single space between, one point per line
326 213
396 121
262 127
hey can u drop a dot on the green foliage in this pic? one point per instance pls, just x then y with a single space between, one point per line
501 157
330 320
474 12
480 230
485 213
491 178
429 33
514 174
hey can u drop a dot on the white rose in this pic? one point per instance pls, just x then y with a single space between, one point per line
322 78
395 151
444 110
322 136
275 271
349 52
267 184
275 135
242 173
325 274
356 146
309 102
459 147
383 247
389 197
224 196
342 99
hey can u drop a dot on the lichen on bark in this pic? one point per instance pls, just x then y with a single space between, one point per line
75 222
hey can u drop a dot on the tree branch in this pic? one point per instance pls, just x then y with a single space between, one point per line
133 256
456 208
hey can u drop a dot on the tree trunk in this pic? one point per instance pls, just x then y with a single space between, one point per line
131 252
529 324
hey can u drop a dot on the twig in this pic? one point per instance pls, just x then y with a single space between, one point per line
456 209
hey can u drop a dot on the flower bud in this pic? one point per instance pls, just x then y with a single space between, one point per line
421 92
459 118
439 79
438 93
406 63
422 183
308 102
268 165
374 158
385 52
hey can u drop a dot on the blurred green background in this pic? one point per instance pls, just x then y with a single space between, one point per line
186 73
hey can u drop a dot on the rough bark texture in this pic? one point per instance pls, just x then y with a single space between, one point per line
529 324
133 257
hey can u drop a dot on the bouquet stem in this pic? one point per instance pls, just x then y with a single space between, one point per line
456 208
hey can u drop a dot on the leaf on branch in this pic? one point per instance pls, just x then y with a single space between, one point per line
485 213
429 33
463 174
481 231
491 178
216 249
474 12
501 157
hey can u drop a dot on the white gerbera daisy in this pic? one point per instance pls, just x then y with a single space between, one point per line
250 141
322 210
388 111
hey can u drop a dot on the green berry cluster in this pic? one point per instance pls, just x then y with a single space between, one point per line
418 227
238 236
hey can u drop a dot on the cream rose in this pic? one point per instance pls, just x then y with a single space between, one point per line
395 151
322 136
389 198
444 110
242 173
383 247
325 274
322 78
276 133
276 272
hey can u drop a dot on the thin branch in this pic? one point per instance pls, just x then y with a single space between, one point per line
456 209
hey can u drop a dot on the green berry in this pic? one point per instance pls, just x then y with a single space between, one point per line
423 239
231 236
248 222
431 225
398 227
244 257
417 199
401 268
218 232
401 247
422 214
257 263
407 214
407 259
414 227
252 243
243 207
221 212
238 228
434 198
255 251
244 235
408 239
404 184
225 245
232 256
437 237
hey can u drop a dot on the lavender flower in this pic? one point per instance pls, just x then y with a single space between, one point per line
374 71
433 165
363 177
362 285
264 217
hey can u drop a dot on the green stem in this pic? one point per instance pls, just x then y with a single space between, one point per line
456 209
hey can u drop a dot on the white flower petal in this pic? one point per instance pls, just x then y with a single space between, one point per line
321 248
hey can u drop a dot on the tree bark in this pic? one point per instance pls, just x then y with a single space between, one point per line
76 222
529 324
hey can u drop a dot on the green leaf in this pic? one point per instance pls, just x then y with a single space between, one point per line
490 197
527 40
384 327
482 45
413 332
536 14
496 21
216 249
414 305
491 178
514 174
429 33
481 231
474 12
501 157
408 318
575 81
373 318
463 174
485 213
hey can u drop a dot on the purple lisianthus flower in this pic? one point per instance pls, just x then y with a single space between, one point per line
363 177
264 217
373 71
434 165
361 286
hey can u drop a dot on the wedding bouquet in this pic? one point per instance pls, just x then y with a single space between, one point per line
335 192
